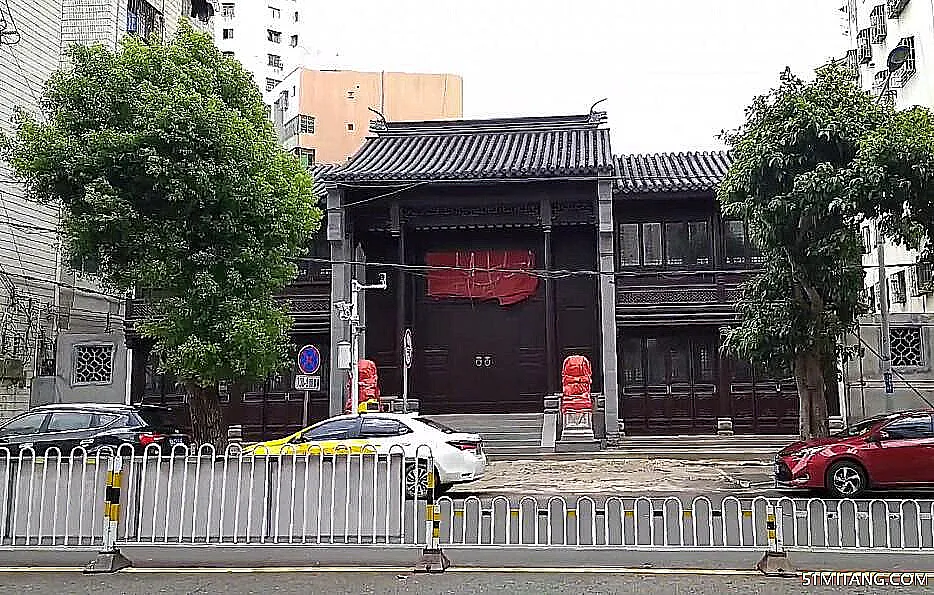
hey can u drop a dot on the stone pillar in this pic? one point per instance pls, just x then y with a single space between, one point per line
607 266
724 379
340 291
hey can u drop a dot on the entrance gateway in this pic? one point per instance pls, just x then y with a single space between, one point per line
481 328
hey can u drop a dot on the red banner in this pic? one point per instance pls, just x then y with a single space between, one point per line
482 275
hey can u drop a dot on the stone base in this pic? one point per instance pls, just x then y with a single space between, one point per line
581 445
432 561
724 426
107 562
776 564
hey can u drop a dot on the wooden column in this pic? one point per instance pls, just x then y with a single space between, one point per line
724 380
551 338
397 232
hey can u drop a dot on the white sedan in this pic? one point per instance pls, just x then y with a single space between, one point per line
458 456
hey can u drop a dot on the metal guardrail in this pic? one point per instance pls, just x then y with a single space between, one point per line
331 497
338 497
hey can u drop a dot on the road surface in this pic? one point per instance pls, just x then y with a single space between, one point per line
337 583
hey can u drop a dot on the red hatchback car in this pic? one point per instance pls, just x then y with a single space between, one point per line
888 451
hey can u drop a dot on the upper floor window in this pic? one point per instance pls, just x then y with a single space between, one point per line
306 156
293 41
275 12
274 36
672 243
877 24
306 124
227 34
271 84
274 60
295 18
227 10
738 247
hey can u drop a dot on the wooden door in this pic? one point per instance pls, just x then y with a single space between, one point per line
668 383
762 404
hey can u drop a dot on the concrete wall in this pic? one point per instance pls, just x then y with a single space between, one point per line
62 387
863 392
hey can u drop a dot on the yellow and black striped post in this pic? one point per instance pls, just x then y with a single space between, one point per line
433 559
110 559
775 561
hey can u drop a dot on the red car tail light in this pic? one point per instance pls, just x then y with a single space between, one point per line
150 438
465 445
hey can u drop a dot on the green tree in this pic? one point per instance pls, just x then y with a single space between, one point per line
790 179
171 178
893 179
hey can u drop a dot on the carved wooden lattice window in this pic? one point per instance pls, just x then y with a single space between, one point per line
92 364
907 346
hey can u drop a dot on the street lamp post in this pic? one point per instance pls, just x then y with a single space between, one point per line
350 313
896 59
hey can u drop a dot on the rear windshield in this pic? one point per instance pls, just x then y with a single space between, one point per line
436 425
159 419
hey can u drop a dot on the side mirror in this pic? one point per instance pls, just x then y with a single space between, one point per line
879 436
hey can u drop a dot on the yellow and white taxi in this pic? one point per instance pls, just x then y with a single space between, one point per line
458 456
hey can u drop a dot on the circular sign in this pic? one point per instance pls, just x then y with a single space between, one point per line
408 349
309 359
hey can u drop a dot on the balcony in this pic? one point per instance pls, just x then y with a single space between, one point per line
701 299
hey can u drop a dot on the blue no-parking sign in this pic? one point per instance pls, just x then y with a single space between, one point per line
309 359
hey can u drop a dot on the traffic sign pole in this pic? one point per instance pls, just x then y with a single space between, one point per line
406 364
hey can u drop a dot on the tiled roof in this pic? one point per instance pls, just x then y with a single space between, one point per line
501 148
671 172
319 175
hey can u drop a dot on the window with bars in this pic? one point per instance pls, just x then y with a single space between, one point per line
907 70
274 60
92 363
228 10
864 46
271 84
877 24
879 80
852 64
672 243
898 288
867 239
275 12
306 124
274 36
227 34
907 346
293 41
921 278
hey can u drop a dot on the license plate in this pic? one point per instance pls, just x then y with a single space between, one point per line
174 440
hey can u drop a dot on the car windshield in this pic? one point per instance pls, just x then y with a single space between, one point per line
436 425
860 428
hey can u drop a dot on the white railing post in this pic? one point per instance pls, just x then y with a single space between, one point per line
109 559
775 561
432 558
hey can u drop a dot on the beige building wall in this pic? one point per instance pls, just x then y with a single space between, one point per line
338 101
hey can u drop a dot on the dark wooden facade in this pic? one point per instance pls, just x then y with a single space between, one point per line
520 346
657 308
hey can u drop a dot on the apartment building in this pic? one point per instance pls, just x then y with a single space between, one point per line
324 115
874 29
264 36
61 334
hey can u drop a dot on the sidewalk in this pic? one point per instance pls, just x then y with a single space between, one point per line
642 476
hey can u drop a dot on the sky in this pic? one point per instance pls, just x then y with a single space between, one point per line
674 72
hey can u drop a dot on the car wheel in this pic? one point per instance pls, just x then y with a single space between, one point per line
416 481
846 479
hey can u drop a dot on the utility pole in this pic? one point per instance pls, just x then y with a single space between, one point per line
350 312
884 310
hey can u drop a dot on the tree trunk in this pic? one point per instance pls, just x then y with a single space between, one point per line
207 420
804 398
812 398
817 384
